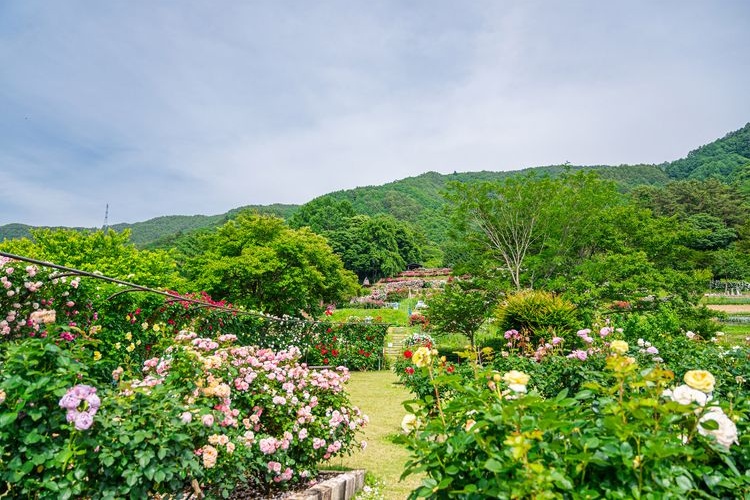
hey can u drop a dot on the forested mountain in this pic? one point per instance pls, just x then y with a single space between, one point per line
726 159
419 201
150 233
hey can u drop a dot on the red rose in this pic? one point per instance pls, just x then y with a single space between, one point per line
408 354
334 352
325 361
361 352
450 369
367 354
409 370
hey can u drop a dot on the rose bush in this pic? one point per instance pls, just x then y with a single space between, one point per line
626 437
205 415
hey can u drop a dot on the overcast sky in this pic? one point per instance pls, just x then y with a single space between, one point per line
197 107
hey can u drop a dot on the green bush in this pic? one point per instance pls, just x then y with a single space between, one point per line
40 453
539 315
634 434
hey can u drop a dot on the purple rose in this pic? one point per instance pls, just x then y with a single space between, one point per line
84 420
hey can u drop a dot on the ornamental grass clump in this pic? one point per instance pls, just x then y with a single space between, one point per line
634 434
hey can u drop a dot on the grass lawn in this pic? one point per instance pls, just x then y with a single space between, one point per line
379 395
735 334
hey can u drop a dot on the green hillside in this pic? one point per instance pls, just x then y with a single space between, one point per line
726 159
419 200
150 233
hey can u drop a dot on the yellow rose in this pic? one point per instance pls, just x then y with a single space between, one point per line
422 357
97 355
619 346
701 380
515 377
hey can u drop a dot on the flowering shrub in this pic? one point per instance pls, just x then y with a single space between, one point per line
256 414
205 412
357 345
131 328
417 318
40 441
419 339
634 435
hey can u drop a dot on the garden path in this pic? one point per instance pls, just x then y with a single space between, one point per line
379 395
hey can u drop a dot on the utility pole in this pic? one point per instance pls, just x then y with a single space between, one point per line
106 218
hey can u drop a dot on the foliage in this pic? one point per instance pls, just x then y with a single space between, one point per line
260 263
357 345
376 247
722 159
685 198
106 252
39 450
460 308
323 215
627 436
539 315
531 226
204 411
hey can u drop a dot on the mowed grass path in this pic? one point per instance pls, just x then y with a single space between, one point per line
379 396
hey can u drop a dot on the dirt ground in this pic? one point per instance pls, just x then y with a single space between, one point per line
730 308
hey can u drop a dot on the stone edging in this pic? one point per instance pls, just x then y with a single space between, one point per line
341 487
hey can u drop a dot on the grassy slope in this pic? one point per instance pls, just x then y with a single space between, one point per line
379 395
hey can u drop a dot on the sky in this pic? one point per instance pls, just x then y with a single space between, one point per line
158 107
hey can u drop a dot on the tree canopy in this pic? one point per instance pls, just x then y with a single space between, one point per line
261 263
108 252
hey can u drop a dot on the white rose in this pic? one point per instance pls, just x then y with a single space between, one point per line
726 433
685 395
409 423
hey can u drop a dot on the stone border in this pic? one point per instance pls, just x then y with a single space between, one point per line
341 487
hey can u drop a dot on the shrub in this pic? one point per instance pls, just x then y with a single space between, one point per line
40 452
538 314
205 412
635 434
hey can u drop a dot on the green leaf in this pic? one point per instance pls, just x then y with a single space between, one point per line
8 418
493 465
159 476
684 483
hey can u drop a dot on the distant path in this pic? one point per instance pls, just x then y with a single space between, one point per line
379 395
730 308
395 341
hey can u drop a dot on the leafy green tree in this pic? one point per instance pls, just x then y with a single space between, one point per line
323 215
710 233
108 252
461 308
691 197
531 226
259 262
371 246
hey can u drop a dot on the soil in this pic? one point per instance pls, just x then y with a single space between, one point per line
730 308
